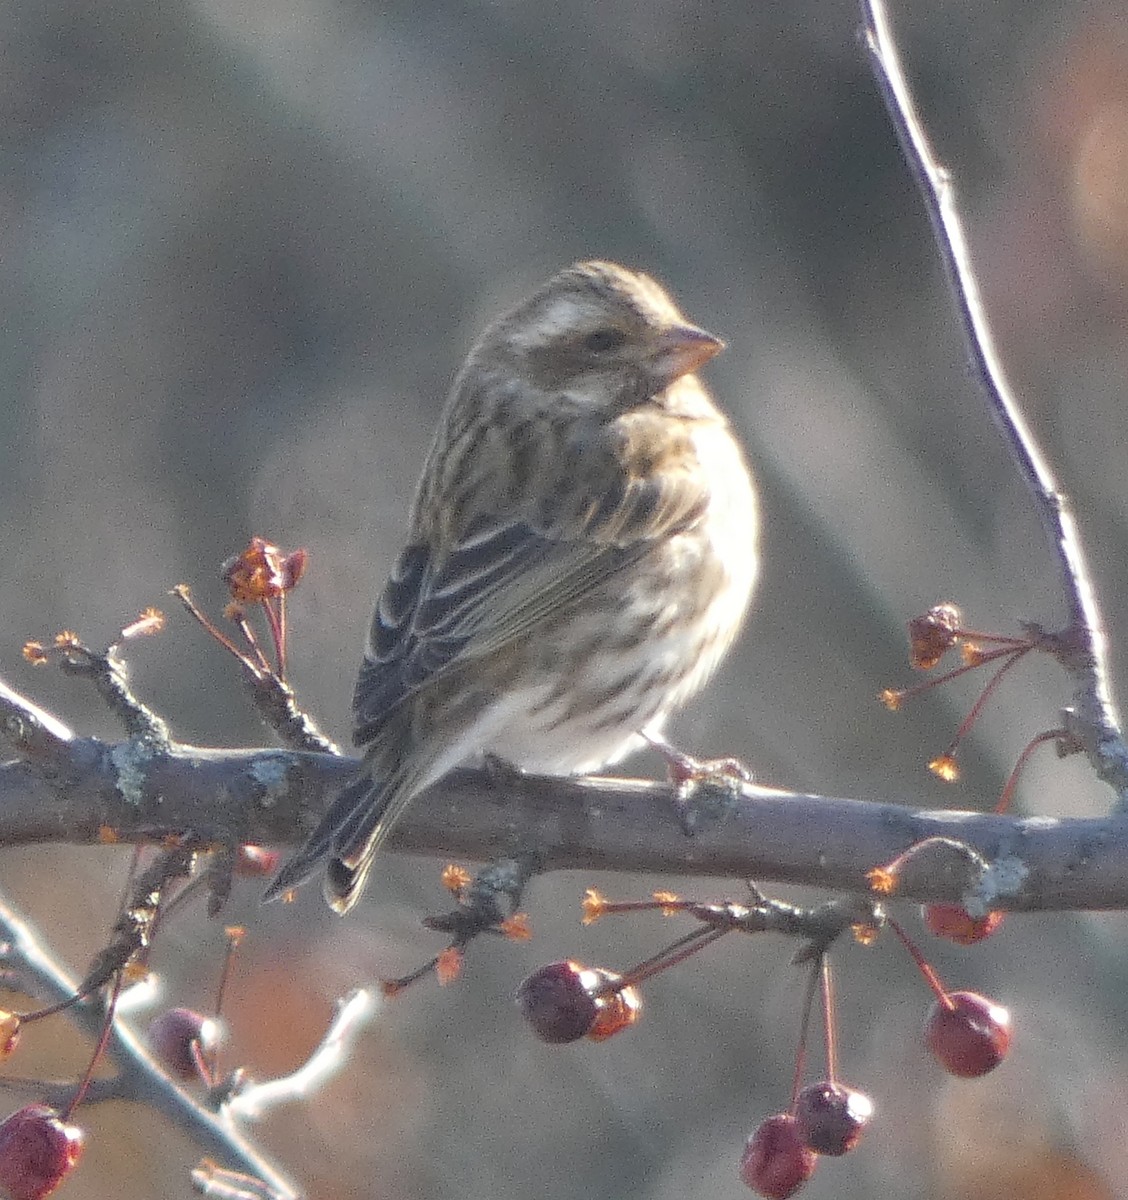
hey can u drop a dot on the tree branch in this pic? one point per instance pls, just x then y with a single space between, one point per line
274 796
82 791
1093 719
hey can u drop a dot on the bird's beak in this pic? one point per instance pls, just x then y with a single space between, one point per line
684 348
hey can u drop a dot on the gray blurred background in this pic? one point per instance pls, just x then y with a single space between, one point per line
243 248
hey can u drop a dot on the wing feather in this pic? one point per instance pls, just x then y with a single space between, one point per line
500 579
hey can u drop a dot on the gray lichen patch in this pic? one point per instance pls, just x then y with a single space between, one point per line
131 759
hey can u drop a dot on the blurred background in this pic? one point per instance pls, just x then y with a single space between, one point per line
244 247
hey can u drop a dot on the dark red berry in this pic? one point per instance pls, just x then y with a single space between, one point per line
830 1118
968 1034
293 567
172 1036
558 1001
775 1161
954 922
932 635
37 1152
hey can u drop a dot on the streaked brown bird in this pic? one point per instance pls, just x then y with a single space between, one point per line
581 552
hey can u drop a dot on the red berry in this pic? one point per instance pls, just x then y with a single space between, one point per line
37 1152
557 1002
831 1118
172 1036
775 1162
954 922
256 862
565 1001
968 1034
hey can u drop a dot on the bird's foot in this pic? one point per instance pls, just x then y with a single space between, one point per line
703 785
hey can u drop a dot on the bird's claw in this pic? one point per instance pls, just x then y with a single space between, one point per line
698 781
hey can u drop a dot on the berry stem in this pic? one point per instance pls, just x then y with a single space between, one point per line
282 636
239 619
99 1049
276 621
184 595
989 656
685 947
628 906
830 1032
804 1030
234 937
1007 794
995 639
923 966
1012 657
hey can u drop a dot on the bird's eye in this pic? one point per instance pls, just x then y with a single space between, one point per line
604 340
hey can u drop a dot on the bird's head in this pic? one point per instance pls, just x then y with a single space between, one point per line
598 331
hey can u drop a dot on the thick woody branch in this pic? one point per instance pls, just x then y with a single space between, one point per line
136 792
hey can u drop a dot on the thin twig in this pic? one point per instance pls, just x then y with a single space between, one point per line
354 1012
1093 718
110 678
38 736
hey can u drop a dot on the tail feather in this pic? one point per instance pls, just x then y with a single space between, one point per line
305 862
358 837
349 834
343 885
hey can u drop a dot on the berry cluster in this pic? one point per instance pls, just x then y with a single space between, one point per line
967 1034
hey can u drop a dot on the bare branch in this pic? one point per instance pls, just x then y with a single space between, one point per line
1093 720
108 674
35 735
354 1012
274 796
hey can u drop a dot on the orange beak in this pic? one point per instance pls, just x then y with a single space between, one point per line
684 348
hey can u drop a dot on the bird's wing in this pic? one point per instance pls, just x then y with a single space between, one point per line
501 579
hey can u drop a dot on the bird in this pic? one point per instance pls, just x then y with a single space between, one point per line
580 555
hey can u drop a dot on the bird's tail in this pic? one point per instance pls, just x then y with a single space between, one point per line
348 835
300 866
359 834
343 885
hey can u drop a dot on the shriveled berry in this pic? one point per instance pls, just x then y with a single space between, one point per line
968 1034
172 1036
932 635
776 1162
830 1117
558 1001
37 1152
954 922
